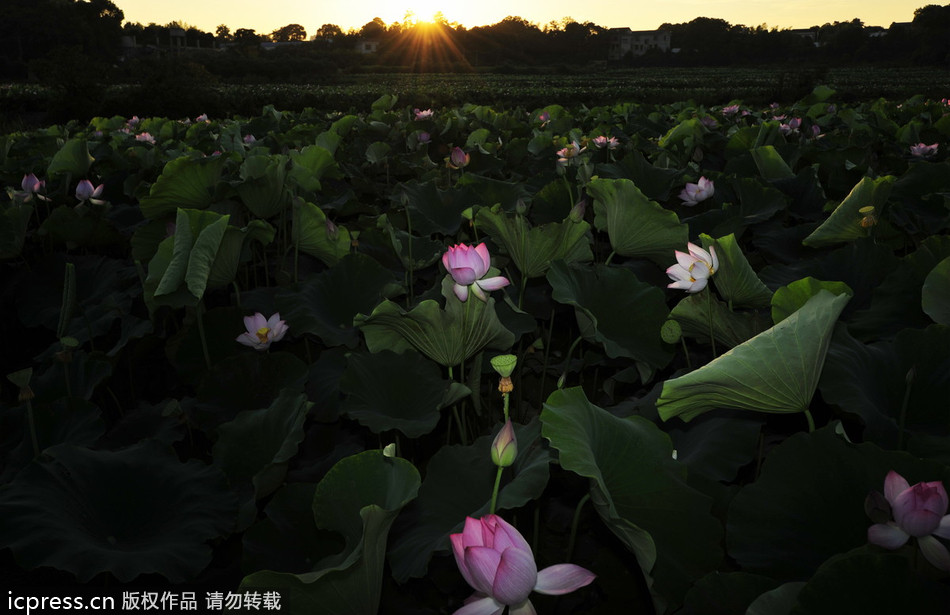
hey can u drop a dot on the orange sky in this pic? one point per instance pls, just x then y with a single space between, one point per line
267 16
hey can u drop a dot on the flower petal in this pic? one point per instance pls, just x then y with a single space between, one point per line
887 535
525 608
943 530
563 579
494 283
506 535
935 552
481 606
482 251
461 292
894 484
479 292
515 577
463 275
482 564
248 339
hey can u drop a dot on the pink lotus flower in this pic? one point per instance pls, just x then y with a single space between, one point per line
543 118
203 118
145 138
458 159
423 114
791 126
568 153
700 191
262 332
496 561
424 137
468 266
919 511
32 186
601 142
250 139
709 122
692 271
86 192
730 110
924 151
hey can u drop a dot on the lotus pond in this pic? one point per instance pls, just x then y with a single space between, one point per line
631 358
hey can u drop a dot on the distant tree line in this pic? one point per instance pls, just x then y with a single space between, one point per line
74 43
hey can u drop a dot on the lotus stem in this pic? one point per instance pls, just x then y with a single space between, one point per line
201 333
709 313
909 379
494 492
29 416
547 355
574 523
811 421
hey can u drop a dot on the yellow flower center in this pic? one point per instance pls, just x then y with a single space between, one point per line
262 334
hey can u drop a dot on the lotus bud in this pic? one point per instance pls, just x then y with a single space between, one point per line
504 448
577 212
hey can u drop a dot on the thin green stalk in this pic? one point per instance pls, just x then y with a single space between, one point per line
237 293
547 355
610 257
409 249
712 335
811 421
494 491
909 379
201 333
689 364
574 523
504 397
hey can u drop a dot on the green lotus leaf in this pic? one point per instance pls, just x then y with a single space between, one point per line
730 328
534 249
228 258
178 274
615 309
808 502
935 294
725 593
314 235
185 183
447 336
776 371
248 381
258 444
637 226
655 182
14 220
358 498
771 165
862 582
404 391
490 191
778 601
735 279
67 225
310 165
263 184
414 253
844 223
717 445
378 152
326 303
638 489
433 210
896 303
130 512
458 483
72 159
790 298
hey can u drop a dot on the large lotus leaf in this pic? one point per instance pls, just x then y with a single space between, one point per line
227 260
404 391
310 165
447 336
14 220
458 484
615 309
789 299
896 303
844 223
377 152
288 540
684 135
76 379
178 274
735 279
730 328
72 159
262 187
415 253
863 582
717 446
130 512
935 294
86 230
185 183
775 371
250 380
258 444
638 489
771 165
433 210
534 249
778 601
495 191
359 498
725 593
808 502
636 225
326 303
315 235
655 182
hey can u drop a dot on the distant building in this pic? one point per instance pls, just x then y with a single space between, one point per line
625 41
367 46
